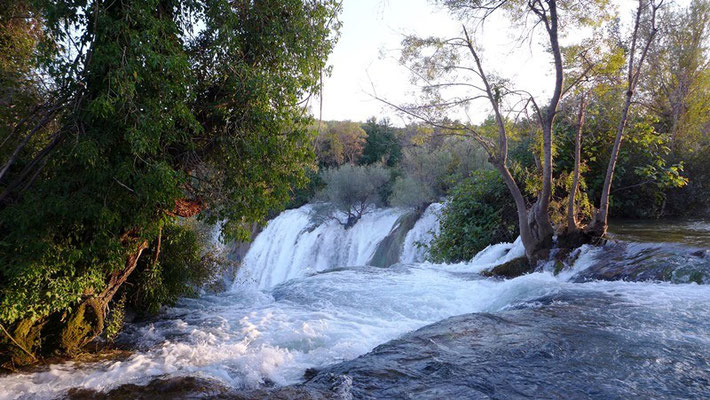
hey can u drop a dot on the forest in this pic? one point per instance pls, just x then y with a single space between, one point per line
135 135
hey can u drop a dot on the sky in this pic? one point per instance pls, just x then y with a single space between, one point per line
364 60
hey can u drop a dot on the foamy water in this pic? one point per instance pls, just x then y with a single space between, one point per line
306 299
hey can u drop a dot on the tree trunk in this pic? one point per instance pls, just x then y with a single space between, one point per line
119 277
601 220
571 208
525 234
86 322
599 225
539 216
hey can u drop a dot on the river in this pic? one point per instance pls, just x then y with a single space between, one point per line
307 318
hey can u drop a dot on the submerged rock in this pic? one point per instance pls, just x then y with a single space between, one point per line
390 248
159 389
649 262
511 269
582 348
198 388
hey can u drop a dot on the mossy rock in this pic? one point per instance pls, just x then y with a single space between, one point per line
84 324
28 334
511 269
559 266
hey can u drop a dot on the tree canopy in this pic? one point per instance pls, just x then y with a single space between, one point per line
150 111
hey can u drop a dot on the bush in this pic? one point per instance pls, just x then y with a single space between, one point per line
187 262
480 212
351 191
409 193
430 172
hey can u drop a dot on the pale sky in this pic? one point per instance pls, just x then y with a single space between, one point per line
365 58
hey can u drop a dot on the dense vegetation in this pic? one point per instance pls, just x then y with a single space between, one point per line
123 119
479 213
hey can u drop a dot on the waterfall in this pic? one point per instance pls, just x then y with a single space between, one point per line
290 247
421 233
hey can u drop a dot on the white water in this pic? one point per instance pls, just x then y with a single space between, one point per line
292 311
290 247
420 235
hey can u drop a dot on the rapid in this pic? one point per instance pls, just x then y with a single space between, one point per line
307 306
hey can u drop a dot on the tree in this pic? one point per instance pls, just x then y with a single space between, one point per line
350 192
677 86
353 138
340 142
329 149
636 57
155 121
381 144
452 77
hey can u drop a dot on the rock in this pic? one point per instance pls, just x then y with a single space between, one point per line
511 269
389 250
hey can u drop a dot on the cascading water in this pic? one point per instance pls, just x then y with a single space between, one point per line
306 299
291 247
414 249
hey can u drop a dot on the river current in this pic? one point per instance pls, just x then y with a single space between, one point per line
307 313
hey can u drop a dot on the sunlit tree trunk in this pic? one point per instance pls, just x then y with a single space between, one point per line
571 205
599 225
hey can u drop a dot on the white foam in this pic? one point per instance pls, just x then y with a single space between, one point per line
308 322
290 247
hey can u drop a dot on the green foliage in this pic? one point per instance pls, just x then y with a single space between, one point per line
153 112
116 318
381 145
304 194
408 192
644 173
340 142
351 191
479 213
186 263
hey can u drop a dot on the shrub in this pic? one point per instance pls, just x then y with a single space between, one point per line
409 193
480 212
351 191
187 261
431 172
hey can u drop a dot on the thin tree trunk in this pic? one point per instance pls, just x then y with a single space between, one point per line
571 209
601 221
44 121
